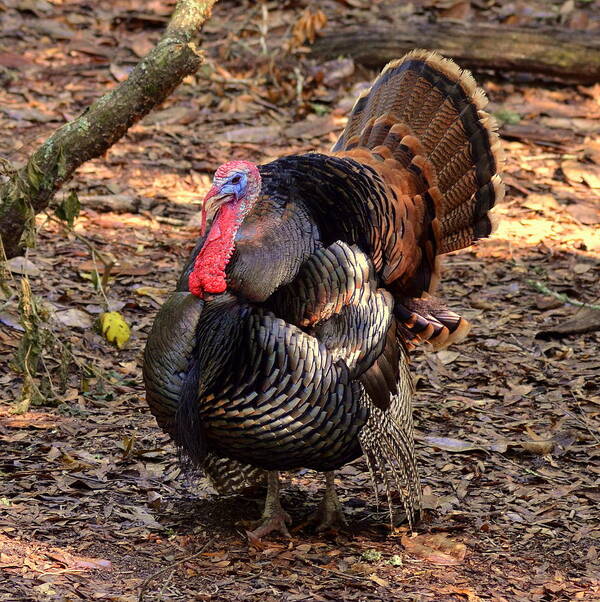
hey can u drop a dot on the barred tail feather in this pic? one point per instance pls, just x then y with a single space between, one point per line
389 451
232 477
387 441
428 320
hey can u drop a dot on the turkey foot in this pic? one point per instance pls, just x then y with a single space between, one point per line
329 514
274 517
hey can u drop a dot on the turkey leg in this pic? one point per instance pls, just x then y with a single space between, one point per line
329 515
274 517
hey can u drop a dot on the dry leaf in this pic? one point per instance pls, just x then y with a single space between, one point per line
74 318
307 27
582 172
119 72
540 448
22 265
436 548
449 444
382 582
447 357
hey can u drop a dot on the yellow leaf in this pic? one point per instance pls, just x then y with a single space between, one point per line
379 580
156 294
114 328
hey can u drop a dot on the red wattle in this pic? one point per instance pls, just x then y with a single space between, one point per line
208 275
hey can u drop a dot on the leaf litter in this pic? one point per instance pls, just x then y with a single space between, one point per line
93 504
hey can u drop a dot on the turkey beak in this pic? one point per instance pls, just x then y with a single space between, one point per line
212 201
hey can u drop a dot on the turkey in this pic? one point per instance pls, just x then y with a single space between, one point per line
286 343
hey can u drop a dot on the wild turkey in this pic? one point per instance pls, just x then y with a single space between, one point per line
285 344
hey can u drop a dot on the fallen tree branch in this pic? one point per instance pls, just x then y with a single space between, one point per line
571 56
542 288
28 191
581 323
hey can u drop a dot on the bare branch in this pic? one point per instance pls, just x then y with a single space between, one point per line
29 190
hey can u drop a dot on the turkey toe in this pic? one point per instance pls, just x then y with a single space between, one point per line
274 517
329 514
276 522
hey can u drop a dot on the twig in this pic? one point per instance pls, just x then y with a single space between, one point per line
107 262
171 567
542 288
264 28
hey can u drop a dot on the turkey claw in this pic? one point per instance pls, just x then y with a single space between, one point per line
277 521
329 516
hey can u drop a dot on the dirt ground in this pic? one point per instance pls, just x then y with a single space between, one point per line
93 503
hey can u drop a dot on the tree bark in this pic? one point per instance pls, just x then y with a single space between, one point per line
29 190
571 56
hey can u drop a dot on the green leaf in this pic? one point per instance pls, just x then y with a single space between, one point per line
320 109
507 116
96 280
69 209
371 555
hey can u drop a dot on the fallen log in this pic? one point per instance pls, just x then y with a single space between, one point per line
570 56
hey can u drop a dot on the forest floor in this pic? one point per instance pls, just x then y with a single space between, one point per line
93 503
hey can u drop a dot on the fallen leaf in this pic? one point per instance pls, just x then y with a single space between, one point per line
118 269
176 114
11 320
582 172
114 328
586 213
461 591
92 563
156 294
119 72
259 133
74 318
52 28
307 27
447 357
382 582
436 548
449 444
23 266
311 128
141 45
541 448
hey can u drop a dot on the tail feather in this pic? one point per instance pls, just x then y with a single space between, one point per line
391 459
387 442
427 319
229 476
429 114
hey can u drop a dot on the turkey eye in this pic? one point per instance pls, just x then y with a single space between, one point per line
236 179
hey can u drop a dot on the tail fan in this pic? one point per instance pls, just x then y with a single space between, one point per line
425 114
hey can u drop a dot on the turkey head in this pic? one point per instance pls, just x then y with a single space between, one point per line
234 192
